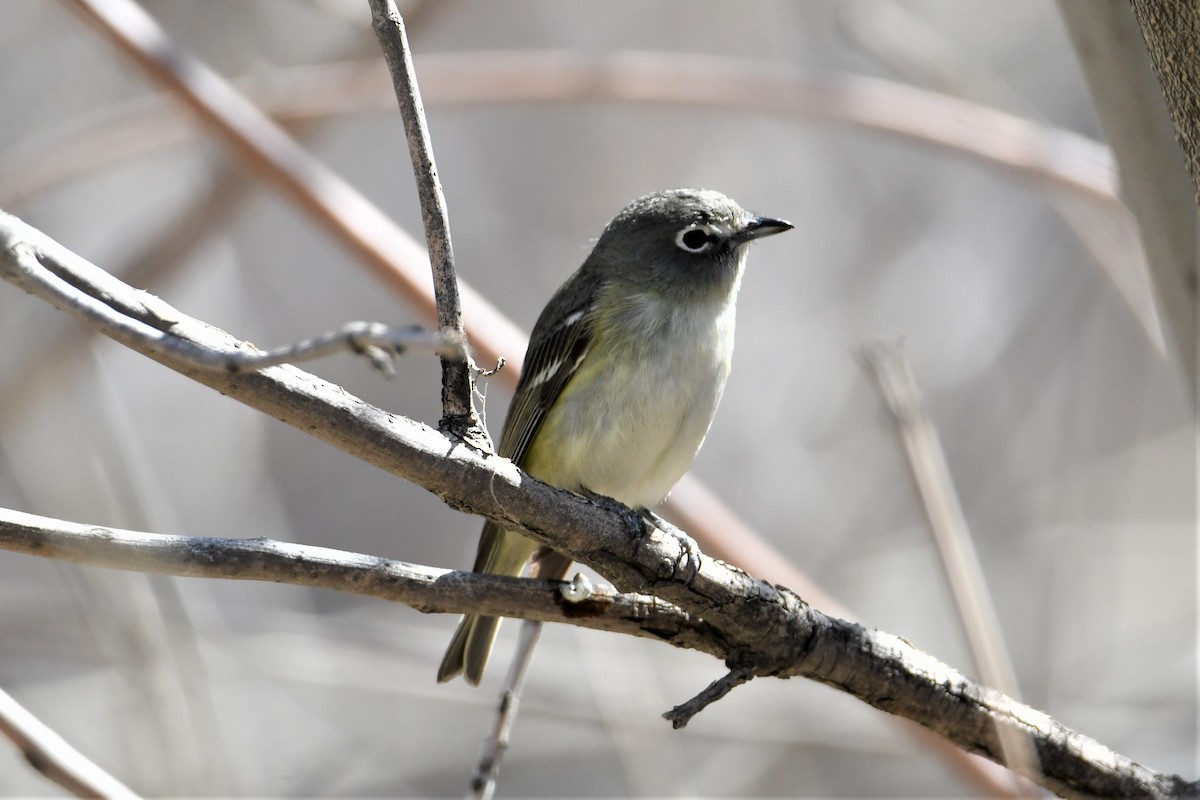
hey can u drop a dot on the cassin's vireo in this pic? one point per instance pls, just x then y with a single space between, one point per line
624 371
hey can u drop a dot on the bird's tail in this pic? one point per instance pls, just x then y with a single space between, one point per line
500 553
469 649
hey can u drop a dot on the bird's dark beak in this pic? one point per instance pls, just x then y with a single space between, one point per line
758 227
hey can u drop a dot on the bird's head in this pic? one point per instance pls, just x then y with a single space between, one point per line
688 241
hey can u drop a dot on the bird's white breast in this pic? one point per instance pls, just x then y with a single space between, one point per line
632 418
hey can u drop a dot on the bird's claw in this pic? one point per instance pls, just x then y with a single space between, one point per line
641 523
634 522
688 562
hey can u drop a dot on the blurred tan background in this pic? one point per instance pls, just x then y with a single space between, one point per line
1068 434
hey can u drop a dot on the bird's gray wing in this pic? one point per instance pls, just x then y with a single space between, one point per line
557 347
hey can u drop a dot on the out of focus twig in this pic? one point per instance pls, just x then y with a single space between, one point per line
952 537
900 37
1137 122
283 164
1034 150
49 754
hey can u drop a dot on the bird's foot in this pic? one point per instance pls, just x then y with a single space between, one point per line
632 519
641 523
687 564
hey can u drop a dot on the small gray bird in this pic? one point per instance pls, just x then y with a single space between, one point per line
624 371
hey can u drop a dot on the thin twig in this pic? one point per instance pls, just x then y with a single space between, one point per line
907 43
952 536
378 342
491 756
458 408
51 755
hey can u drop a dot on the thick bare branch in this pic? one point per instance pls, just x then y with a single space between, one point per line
1171 29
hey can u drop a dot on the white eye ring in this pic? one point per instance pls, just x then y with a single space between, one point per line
687 240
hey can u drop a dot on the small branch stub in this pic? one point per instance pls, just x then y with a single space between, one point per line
578 590
682 714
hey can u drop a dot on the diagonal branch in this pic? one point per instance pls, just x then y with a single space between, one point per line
1120 75
764 630
948 524
52 756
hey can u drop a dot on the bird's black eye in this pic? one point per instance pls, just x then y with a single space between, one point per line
696 239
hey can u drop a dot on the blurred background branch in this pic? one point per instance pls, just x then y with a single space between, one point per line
1114 58
951 535
51 755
